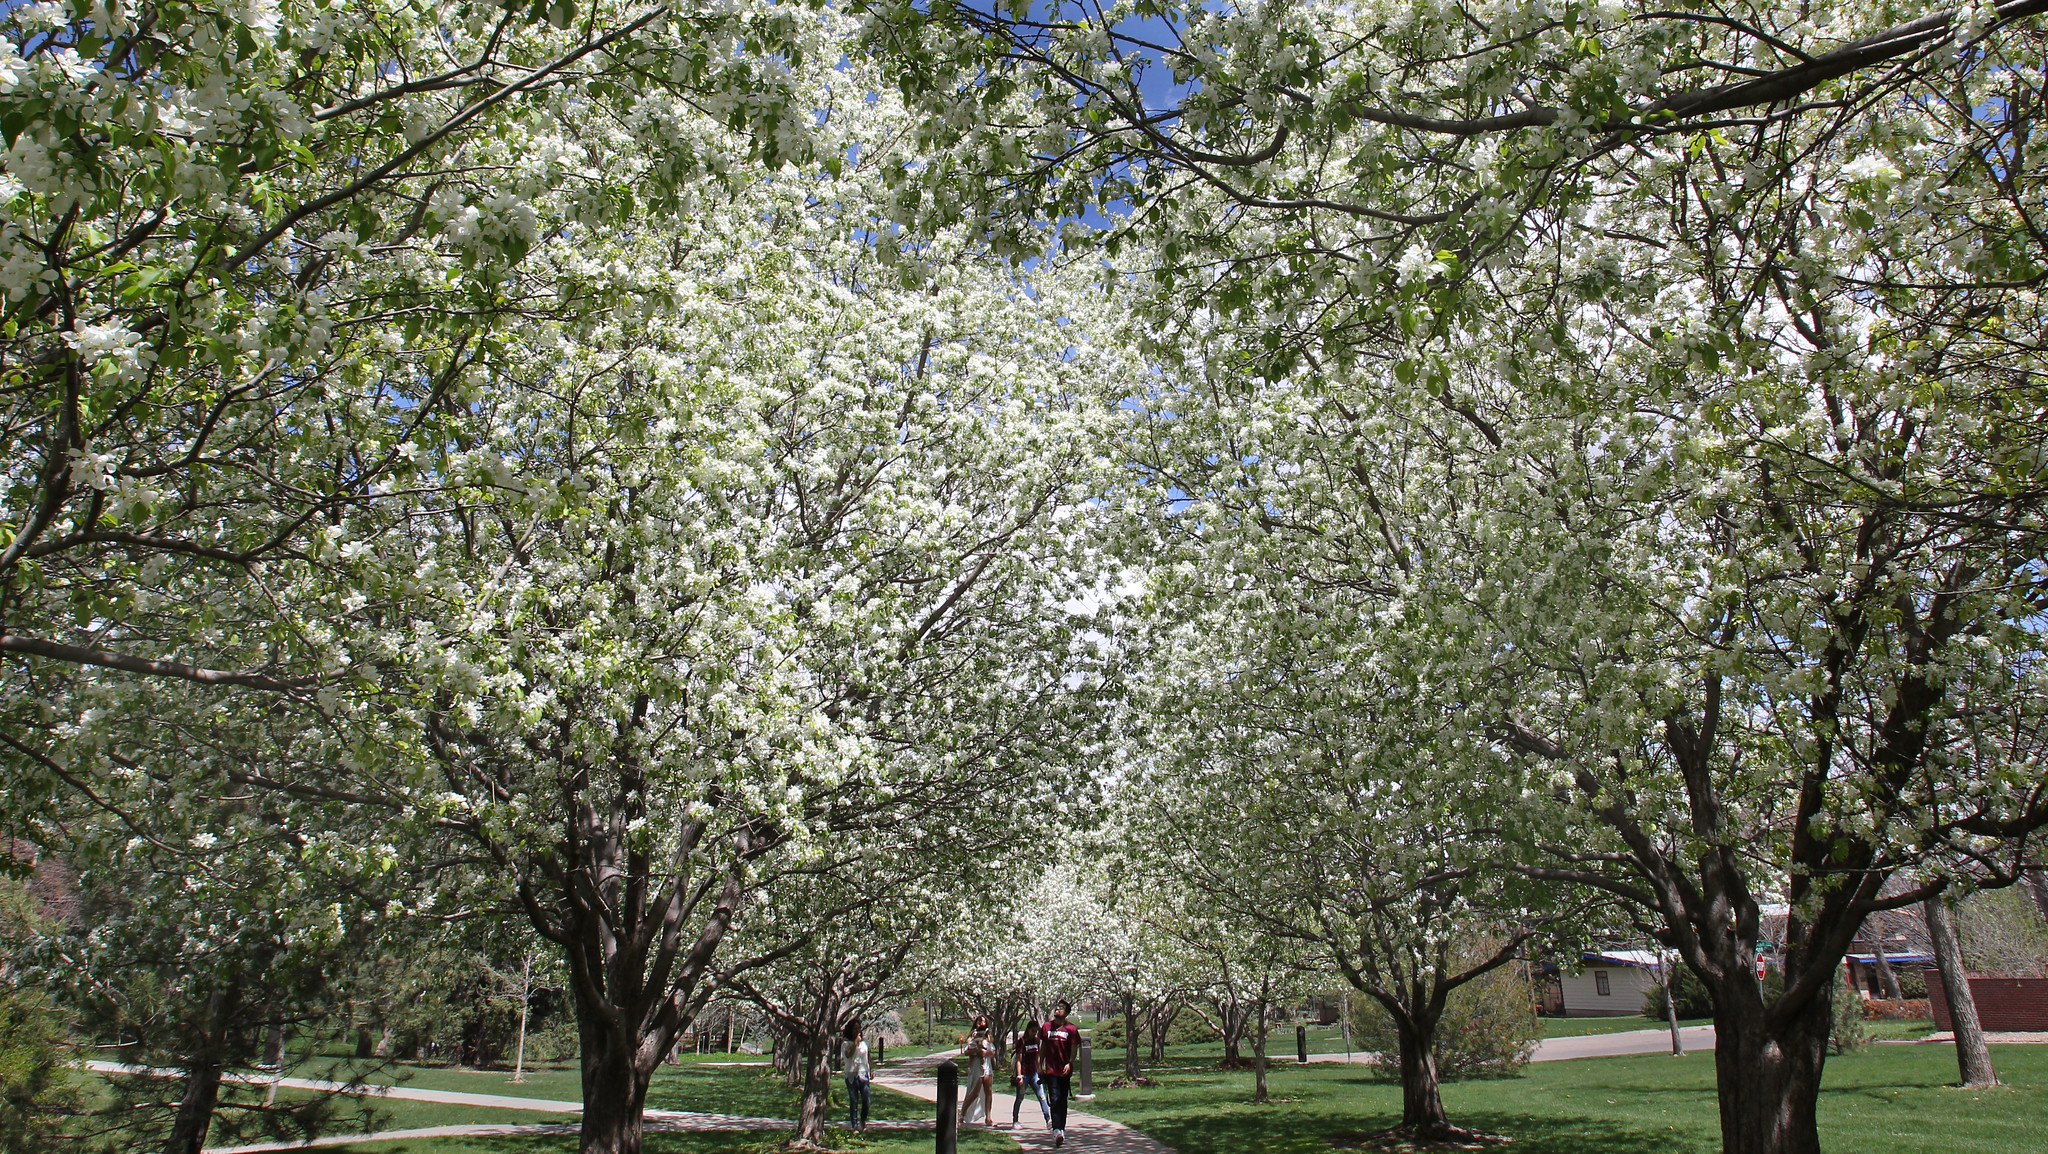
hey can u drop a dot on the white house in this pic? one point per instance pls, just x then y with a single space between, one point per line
1610 983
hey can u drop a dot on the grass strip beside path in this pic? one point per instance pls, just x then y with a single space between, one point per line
1882 1100
971 1142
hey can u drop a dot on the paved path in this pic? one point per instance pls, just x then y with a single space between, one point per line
1656 1041
369 1089
695 1121
1652 1041
1085 1132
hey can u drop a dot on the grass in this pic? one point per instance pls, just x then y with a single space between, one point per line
1904 1030
1581 1027
971 1142
1882 1100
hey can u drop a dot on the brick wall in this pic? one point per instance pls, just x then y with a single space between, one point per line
2002 1003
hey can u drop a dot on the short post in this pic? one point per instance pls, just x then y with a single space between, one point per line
881 1048
949 1108
1084 1069
1301 1043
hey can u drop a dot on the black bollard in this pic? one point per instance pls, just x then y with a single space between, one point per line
881 1048
1084 1069
949 1107
1301 1043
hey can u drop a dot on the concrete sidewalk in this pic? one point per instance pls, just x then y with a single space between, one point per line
918 1078
673 1120
1651 1041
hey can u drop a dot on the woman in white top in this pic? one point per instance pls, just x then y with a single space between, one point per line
859 1077
981 1075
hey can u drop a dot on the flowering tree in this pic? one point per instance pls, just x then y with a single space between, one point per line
838 938
1721 319
1355 832
777 560
254 254
213 913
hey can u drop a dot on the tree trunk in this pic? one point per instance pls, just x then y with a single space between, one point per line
1162 1022
1130 1007
815 1111
2036 881
1231 1014
1885 977
616 1067
525 1005
1422 1103
1973 1053
1670 1005
1768 1084
195 1109
614 1099
1259 1094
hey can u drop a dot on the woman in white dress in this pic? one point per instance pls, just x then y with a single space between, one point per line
980 1053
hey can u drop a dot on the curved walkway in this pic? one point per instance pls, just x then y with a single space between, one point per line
684 1120
1085 1132
668 1120
1656 1040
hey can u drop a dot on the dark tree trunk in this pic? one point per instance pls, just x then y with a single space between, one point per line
1130 1008
1768 1082
1973 1053
815 1112
205 1058
1161 1022
273 1046
195 1109
614 1093
1259 1094
1422 1103
1231 1015
618 1061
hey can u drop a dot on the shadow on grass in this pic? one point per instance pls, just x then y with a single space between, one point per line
1236 1131
972 1142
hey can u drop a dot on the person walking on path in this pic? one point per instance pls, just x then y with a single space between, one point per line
1058 1046
860 1077
980 1053
1026 1077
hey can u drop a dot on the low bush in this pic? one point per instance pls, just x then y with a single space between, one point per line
1913 984
1847 1032
1897 1009
1687 990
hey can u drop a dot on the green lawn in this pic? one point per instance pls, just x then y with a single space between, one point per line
971 1142
1581 1027
1905 1030
1882 1100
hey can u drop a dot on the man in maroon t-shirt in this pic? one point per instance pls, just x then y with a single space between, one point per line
1059 1046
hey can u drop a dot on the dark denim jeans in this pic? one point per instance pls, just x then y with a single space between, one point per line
1058 1088
860 1098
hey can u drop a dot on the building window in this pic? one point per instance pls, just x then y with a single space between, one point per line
1600 985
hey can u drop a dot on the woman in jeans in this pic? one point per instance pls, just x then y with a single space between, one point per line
1026 1077
859 1077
